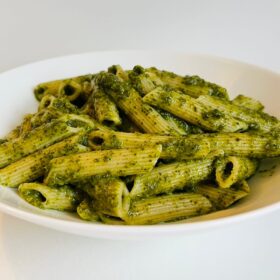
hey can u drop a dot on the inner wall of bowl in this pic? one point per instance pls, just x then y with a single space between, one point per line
17 99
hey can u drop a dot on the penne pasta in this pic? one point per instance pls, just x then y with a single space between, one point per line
220 198
59 104
192 146
145 80
167 208
189 109
171 177
128 100
137 147
86 212
32 167
73 88
248 102
63 198
105 110
231 170
119 72
254 119
123 162
111 196
172 147
42 137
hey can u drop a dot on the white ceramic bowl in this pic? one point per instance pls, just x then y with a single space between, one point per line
16 99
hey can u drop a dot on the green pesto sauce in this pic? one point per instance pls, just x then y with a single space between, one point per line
181 148
76 123
112 84
213 114
63 105
114 142
34 197
213 89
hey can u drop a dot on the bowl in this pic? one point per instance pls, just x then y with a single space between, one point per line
16 99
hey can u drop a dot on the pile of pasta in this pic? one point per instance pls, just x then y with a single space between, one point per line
140 146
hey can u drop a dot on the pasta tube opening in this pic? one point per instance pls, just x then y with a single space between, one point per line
64 198
231 170
111 197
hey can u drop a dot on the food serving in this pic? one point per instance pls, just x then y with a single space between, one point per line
141 146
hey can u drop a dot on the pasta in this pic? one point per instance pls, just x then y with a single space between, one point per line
137 147
129 100
221 198
167 208
189 109
170 177
230 170
105 110
32 167
247 102
46 197
75 89
41 137
122 162
111 196
172 147
256 120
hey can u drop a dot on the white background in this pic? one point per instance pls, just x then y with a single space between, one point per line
244 30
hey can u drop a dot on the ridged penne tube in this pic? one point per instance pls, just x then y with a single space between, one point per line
41 137
143 80
37 139
248 102
119 72
196 86
179 125
104 140
167 208
121 162
105 110
250 145
60 104
230 170
71 88
191 85
33 166
170 177
63 198
86 212
221 198
172 147
192 146
32 121
190 110
255 120
243 144
129 100
111 196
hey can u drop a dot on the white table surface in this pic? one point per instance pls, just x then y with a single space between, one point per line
244 30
